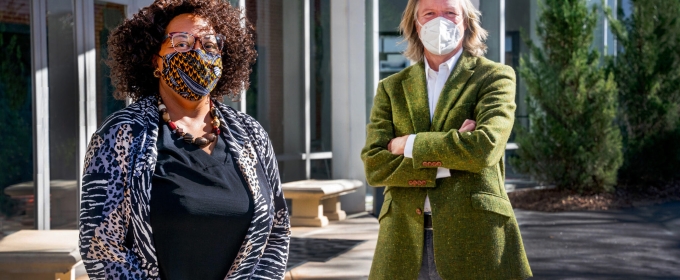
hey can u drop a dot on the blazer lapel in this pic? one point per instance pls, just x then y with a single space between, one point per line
453 88
415 91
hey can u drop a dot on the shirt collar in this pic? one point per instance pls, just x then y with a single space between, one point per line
449 63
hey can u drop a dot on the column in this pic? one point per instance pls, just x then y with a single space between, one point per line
348 75
493 20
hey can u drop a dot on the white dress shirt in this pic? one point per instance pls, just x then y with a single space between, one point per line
435 84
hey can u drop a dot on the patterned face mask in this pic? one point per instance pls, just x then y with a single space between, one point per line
192 74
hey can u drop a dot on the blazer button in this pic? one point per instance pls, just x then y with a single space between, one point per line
418 211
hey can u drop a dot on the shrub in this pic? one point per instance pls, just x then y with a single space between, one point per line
647 72
572 142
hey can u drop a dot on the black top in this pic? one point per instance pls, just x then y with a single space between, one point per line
201 209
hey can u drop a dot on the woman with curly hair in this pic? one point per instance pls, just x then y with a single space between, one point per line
178 185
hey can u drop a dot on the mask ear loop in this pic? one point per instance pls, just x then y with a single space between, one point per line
157 71
421 30
420 35
422 26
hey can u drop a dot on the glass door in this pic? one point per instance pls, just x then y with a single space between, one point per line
107 16
63 115
16 187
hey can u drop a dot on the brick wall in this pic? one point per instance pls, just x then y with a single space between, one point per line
275 72
15 11
267 20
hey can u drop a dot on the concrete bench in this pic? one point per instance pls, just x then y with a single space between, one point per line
317 201
63 203
39 255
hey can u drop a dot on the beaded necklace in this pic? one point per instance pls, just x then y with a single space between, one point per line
198 141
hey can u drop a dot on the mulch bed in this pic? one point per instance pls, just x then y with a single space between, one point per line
553 200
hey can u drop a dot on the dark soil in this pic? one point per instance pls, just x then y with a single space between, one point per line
554 200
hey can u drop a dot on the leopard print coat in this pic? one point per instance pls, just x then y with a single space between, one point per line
116 239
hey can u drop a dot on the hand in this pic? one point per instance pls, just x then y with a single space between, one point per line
468 125
396 146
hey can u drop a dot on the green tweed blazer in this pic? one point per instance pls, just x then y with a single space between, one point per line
476 235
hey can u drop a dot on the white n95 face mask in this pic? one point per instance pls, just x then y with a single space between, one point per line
440 36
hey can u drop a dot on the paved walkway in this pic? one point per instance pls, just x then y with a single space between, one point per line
354 264
640 243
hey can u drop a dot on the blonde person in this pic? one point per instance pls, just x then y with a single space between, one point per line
178 185
436 138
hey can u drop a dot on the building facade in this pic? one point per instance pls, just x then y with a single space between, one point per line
318 65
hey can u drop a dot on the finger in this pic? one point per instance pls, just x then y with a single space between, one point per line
465 124
467 128
470 123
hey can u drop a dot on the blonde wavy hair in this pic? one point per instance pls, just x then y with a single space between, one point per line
473 41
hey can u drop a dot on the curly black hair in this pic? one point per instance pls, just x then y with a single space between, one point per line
134 44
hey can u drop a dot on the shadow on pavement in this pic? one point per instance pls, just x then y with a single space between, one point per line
304 250
637 243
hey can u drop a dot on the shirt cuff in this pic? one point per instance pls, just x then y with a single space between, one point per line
408 149
443 172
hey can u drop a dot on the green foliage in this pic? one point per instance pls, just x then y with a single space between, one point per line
16 152
647 71
12 72
572 142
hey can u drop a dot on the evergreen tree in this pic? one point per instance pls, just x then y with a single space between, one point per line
647 71
573 142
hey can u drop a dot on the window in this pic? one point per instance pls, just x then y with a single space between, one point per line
16 150
107 16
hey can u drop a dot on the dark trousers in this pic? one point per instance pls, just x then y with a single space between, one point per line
428 270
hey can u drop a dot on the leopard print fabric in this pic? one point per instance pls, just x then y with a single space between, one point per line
273 256
268 245
116 239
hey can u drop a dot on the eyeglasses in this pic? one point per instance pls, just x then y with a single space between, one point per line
184 42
